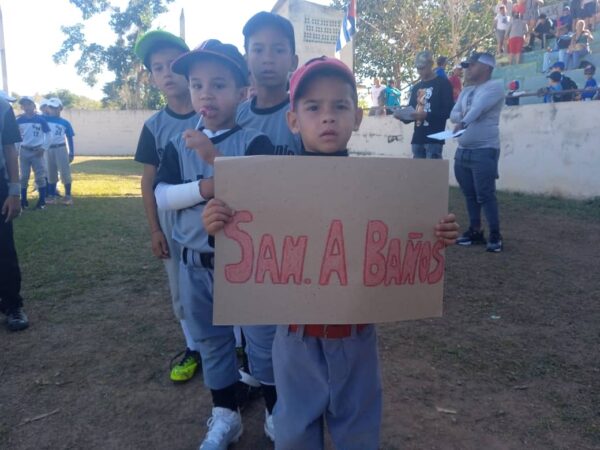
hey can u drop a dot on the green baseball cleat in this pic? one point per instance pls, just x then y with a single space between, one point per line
187 367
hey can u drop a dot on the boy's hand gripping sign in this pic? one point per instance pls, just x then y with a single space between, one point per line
326 240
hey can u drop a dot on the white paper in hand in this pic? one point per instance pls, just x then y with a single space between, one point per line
445 134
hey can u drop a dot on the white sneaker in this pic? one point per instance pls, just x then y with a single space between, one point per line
224 428
269 427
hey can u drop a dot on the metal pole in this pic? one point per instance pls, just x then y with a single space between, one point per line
3 55
182 25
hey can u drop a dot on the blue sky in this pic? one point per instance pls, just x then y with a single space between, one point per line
32 35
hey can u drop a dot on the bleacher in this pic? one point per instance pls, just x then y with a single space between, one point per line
529 71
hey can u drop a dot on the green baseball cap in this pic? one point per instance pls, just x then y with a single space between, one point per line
152 40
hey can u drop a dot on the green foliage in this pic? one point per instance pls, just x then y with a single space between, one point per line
390 33
74 101
131 88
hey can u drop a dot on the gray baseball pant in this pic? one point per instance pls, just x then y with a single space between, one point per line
336 380
32 158
58 162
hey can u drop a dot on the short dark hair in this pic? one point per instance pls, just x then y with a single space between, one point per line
265 19
325 73
442 60
158 48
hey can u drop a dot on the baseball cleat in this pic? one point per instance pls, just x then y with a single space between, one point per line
471 237
67 200
16 320
187 367
224 428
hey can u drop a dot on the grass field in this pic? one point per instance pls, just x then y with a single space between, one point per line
512 364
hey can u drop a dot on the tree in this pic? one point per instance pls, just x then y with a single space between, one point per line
71 100
392 32
131 88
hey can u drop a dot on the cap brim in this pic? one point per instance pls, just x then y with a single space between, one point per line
152 39
182 64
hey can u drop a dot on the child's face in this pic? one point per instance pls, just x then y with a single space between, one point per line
169 83
51 111
215 94
28 107
325 115
270 58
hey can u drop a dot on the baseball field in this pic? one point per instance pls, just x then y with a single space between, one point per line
514 362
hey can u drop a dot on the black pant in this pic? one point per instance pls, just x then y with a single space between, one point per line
10 274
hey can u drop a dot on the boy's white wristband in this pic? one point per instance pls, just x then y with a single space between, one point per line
177 196
14 189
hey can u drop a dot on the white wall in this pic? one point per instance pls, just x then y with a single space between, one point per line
551 149
106 133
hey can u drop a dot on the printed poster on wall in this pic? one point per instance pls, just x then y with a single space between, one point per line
329 240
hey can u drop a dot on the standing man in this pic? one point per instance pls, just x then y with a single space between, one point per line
477 112
376 89
431 98
11 302
456 81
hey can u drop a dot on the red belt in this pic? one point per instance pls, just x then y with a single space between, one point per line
328 331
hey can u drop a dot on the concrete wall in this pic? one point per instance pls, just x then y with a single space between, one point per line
551 149
106 133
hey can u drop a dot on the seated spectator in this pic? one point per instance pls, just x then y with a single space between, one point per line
440 70
553 87
543 30
515 34
557 53
501 22
513 96
566 82
456 81
580 45
590 84
588 13
564 24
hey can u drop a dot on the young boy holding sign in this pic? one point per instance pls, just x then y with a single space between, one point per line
326 372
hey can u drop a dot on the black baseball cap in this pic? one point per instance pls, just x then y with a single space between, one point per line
214 49
555 76
265 19
480 57
150 41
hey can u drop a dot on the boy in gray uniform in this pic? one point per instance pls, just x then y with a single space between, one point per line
271 54
325 372
157 50
218 76
35 134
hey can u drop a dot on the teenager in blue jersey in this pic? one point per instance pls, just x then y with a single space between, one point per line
35 134
61 151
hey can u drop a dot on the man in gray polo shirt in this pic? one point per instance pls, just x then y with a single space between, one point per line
477 112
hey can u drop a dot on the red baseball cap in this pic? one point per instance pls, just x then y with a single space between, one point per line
315 65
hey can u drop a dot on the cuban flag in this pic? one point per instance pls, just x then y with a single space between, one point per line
348 28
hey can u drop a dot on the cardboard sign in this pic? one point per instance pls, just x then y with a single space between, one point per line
329 240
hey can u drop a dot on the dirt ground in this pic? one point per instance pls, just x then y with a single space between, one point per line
514 362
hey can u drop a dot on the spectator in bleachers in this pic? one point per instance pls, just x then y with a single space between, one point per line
515 35
440 70
566 82
557 53
554 86
508 7
590 84
576 12
511 98
456 81
588 13
580 45
501 22
532 12
544 29
564 24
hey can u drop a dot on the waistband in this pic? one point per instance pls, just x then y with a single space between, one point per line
207 260
28 147
328 331
58 145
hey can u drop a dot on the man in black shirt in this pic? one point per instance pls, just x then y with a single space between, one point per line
432 100
542 31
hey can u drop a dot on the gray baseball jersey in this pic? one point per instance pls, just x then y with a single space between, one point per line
182 165
273 122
